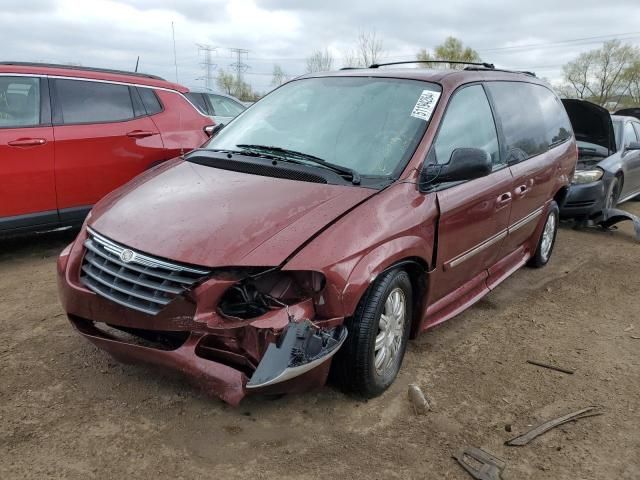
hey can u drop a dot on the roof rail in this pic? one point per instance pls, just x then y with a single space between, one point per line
523 72
455 62
77 67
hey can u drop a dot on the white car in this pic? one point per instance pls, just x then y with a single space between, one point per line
220 107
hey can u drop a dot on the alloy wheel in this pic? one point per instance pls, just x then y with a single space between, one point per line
390 332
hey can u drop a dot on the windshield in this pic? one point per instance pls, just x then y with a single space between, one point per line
368 125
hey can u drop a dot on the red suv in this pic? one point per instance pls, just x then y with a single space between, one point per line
70 135
335 218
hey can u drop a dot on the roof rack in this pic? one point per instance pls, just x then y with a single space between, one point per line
77 67
490 66
523 72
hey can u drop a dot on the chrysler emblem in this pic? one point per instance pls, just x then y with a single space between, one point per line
126 256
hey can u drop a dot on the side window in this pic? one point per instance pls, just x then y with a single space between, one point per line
557 124
468 122
225 107
198 100
150 100
19 102
629 134
521 117
93 102
637 127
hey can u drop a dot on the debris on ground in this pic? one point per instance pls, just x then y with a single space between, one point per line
551 367
418 400
611 216
546 426
479 464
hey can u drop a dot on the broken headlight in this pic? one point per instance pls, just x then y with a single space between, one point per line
587 176
257 294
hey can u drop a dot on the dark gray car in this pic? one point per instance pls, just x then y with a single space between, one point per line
608 169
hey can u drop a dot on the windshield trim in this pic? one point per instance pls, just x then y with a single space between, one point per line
367 179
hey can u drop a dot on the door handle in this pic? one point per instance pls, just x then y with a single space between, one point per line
504 198
521 190
27 142
140 134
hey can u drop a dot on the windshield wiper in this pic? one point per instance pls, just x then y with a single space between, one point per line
287 154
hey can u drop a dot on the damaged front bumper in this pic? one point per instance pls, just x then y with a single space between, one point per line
287 350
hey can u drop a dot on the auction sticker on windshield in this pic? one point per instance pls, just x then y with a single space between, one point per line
425 105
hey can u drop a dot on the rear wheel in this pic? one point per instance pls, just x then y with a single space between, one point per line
368 362
548 238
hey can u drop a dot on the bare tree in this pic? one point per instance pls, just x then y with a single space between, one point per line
603 75
369 49
451 49
320 61
279 77
350 59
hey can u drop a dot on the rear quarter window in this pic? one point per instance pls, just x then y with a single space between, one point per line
93 102
150 100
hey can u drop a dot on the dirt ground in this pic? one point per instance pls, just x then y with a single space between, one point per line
67 410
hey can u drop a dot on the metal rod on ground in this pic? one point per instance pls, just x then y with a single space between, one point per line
551 367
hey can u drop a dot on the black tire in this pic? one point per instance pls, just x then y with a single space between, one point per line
353 368
543 253
613 195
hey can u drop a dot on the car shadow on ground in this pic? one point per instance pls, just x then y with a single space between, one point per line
44 244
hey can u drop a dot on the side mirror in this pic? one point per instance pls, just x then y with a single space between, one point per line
464 164
212 130
633 146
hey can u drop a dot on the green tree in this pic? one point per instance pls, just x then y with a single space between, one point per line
226 82
604 75
451 49
632 76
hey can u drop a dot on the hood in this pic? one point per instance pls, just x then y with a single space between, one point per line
591 123
629 112
211 217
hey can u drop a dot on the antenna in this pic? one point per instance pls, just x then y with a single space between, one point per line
137 63
239 67
208 65
175 58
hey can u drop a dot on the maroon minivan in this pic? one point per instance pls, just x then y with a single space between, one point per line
337 217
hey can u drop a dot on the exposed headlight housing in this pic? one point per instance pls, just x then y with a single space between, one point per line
587 176
258 293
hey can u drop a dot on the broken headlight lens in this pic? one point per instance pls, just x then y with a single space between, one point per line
255 295
587 176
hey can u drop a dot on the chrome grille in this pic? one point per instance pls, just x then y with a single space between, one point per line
131 278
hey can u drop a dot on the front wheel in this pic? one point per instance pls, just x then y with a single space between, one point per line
614 194
548 238
369 360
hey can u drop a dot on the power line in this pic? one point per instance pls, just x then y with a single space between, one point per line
239 66
619 36
207 64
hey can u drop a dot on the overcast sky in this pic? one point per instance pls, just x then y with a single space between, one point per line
539 36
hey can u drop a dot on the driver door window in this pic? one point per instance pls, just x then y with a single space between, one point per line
468 122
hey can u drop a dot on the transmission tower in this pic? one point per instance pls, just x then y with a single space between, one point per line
207 64
239 66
